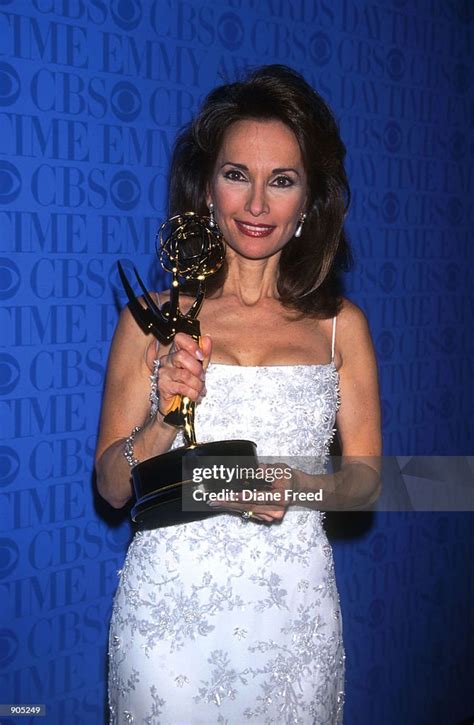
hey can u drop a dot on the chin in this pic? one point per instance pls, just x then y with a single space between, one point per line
255 250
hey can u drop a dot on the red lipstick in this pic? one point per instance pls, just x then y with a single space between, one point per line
254 230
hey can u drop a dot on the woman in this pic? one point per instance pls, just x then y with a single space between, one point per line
229 619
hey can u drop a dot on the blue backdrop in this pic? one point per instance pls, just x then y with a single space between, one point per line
92 93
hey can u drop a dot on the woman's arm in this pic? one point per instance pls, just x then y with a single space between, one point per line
357 484
127 401
126 404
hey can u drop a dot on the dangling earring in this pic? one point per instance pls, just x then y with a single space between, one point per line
299 228
212 221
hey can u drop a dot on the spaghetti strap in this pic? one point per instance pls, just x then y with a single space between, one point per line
333 337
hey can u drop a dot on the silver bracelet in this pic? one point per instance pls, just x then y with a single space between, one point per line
154 389
154 398
128 447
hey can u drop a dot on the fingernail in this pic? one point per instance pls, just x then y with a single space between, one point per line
204 391
203 376
199 354
213 504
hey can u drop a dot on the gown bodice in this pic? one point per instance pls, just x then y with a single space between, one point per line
287 410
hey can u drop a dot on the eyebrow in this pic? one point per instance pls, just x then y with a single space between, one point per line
279 170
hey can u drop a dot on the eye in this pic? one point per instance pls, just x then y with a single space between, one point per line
234 175
282 181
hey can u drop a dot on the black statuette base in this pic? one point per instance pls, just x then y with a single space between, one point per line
160 489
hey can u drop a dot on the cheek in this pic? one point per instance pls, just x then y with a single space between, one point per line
227 199
289 210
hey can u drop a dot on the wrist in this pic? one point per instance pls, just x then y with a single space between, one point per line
157 423
312 483
301 482
129 447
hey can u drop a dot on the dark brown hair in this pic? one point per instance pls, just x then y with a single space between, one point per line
309 274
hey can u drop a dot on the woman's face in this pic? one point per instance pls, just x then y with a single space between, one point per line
259 187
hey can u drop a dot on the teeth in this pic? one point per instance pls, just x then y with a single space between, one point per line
255 229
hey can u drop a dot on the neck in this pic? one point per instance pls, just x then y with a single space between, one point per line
251 280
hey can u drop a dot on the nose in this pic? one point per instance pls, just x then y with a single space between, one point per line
257 202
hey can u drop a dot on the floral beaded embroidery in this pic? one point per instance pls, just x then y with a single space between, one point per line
233 621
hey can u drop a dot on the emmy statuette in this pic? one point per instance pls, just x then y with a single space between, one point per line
190 250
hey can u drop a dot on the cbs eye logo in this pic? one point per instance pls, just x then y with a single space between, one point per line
9 465
385 345
395 64
376 612
230 31
9 556
10 279
388 277
125 190
8 647
10 182
392 136
9 373
320 48
10 85
390 207
126 13
125 101
378 547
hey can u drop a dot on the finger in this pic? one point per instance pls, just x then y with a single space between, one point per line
170 378
184 377
184 349
179 382
178 389
182 341
184 359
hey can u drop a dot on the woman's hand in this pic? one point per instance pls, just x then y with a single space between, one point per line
183 370
269 503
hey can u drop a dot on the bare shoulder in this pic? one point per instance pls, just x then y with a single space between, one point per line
353 338
349 315
129 341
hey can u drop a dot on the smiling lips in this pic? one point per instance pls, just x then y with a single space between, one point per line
254 230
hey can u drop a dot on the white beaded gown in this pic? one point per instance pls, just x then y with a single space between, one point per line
229 621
